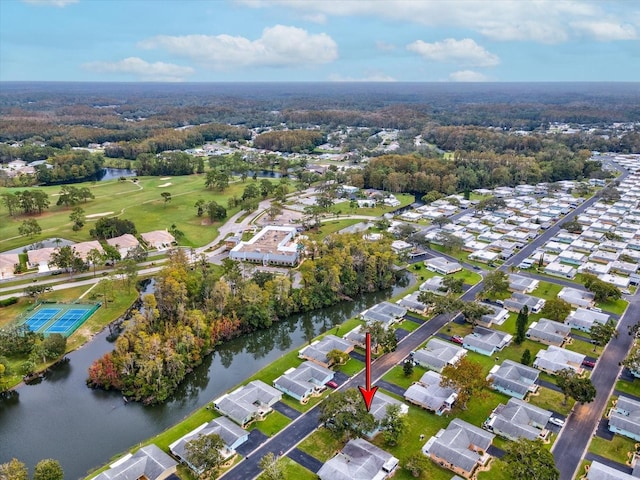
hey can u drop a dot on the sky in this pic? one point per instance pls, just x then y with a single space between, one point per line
320 40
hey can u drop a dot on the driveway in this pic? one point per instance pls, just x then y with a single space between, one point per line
304 459
286 410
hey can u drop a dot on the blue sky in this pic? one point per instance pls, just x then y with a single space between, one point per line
320 40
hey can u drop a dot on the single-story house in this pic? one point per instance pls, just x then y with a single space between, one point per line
549 332
442 266
379 406
461 447
231 434
428 394
484 256
359 460
513 379
486 341
410 302
400 246
304 381
558 269
386 312
577 298
40 258
433 284
519 300
8 262
124 243
149 463
625 418
519 419
318 350
554 359
498 315
437 354
248 403
158 239
600 471
583 319
83 248
520 284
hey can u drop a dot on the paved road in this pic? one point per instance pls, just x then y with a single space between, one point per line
581 424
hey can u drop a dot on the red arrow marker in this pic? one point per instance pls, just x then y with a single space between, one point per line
367 392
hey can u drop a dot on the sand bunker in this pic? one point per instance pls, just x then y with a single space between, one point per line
165 178
165 185
93 215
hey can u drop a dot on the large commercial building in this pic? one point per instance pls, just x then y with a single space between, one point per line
271 246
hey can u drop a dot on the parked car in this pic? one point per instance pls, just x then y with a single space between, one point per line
457 339
557 421
331 384
588 363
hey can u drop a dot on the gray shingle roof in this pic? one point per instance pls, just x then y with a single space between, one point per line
514 376
438 353
454 444
358 460
149 461
549 331
486 339
319 351
600 471
428 392
626 415
519 419
225 428
304 378
248 400
555 358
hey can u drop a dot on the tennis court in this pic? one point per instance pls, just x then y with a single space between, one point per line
61 318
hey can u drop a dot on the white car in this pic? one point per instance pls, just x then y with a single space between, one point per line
557 421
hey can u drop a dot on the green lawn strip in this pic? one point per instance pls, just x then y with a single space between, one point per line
272 424
396 376
547 290
582 469
469 277
144 206
193 421
321 444
408 325
617 307
498 470
329 227
585 348
632 388
616 449
291 469
404 199
551 400
303 407
352 367
453 328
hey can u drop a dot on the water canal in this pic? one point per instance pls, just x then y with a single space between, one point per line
61 418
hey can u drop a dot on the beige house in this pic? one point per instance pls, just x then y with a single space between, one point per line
8 261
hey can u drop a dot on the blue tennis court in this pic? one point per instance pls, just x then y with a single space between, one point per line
63 319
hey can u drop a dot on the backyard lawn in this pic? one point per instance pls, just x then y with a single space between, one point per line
616 449
632 388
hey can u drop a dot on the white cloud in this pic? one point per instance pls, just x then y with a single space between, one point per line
468 76
278 46
450 50
53 3
372 77
320 18
544 21
606 31
158 71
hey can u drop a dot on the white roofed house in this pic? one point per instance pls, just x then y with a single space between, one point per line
624 418
486 341
437 354
231 434
386 312
248 403
517 301
274 245
520 284
359 460
549 332
149 463
379 406
124 243
576 297
519 419
461 447
513 379
442 266
317 352
430 395
554 359
498 315
158 239
584 319
302 382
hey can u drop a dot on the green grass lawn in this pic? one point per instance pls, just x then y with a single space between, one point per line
585 348
632 388
352 367
291 469
321 444
547 290
408 325
140 203
616 449
396 376
616 307
404 198
272 424
551 400
332 226
497 471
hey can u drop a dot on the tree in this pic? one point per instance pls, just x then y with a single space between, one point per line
272 470
440 221
29 228
529 459
78 218
521 325
137 253
632 362
467 378
601 333
95 258
14 470
393 424
65 258
572 385
452 284
54 345
48 469
450 242
274 210
474 311
175 231
34 291
491 204
215 211
495 283
526 357
556 309
572 226
337 357
128 271
407 368
603 291
200 204
12 202
344 414
416 464
203 452
166 196
389 341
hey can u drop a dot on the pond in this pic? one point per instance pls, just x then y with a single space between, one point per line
61 418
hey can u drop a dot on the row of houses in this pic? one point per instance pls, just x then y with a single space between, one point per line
41 258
